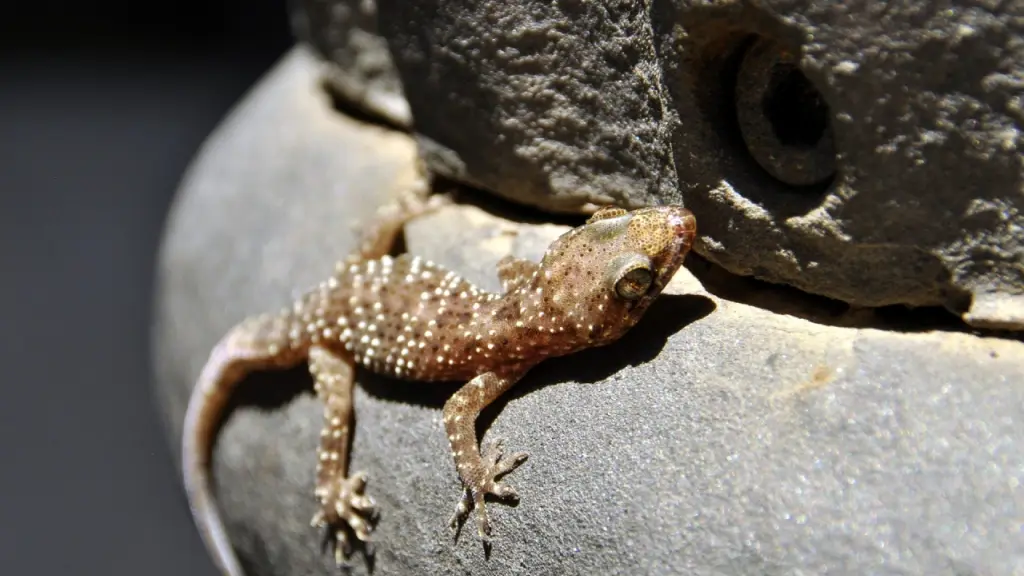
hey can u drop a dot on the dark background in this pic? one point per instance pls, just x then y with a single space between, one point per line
102 106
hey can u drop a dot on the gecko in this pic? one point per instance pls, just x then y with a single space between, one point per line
409 318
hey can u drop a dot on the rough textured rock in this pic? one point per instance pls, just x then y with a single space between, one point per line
868 152
716 438
924 206
568 97
361 71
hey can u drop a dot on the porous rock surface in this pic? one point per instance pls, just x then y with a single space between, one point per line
362 72
716 438
868 152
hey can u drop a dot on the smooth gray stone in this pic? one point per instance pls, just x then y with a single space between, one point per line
867 152
716 438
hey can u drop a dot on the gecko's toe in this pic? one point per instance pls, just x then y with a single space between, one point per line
497 463
319 520
342 548
494 465
361 528
462 509
344 509
483 522
504 491
364 504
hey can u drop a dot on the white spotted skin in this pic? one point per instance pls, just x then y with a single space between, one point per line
409 318
405 317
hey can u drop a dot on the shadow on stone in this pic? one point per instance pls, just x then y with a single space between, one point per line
345 107
783 299
327 544
668 315
270 389
426 394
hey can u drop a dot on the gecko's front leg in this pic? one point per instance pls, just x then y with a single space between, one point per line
479 474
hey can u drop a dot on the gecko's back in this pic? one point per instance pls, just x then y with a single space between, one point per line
403 317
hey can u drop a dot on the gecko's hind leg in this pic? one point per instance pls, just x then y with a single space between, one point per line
343 503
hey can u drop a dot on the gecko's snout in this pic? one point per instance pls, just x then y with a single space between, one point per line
664 230
684 223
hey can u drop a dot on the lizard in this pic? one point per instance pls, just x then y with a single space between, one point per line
409 318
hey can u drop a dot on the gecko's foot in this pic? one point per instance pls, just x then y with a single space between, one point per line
494 465
343 507
376 239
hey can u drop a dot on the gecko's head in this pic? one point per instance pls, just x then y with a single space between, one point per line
608 271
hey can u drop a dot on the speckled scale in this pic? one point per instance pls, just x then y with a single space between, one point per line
405 317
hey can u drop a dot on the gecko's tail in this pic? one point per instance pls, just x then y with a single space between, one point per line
258 343
205 405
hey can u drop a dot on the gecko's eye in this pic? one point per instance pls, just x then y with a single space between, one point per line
634 283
